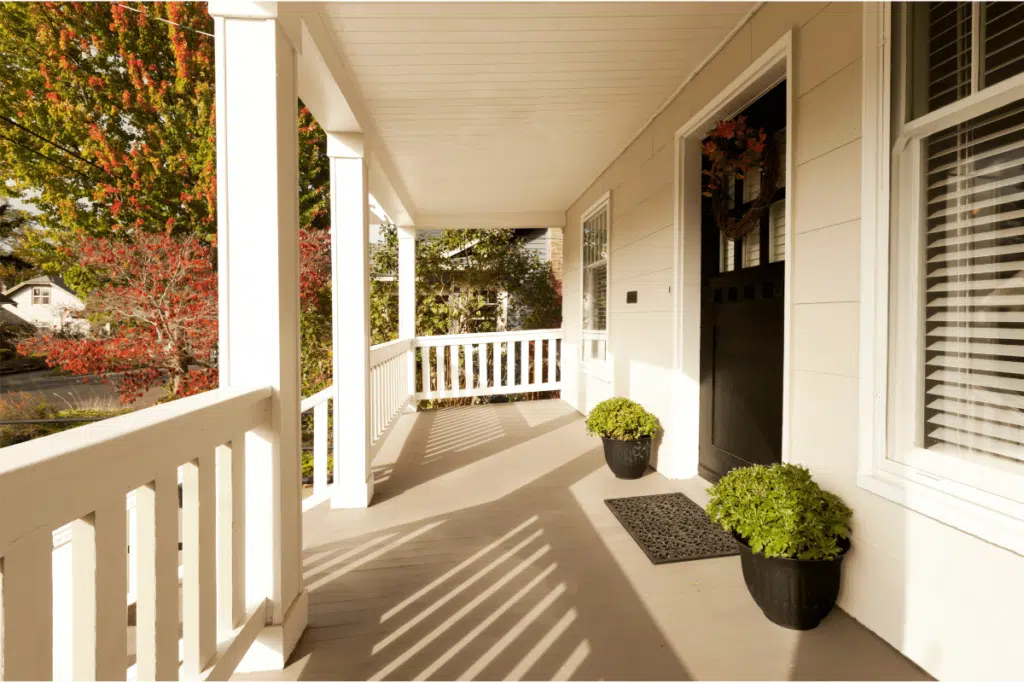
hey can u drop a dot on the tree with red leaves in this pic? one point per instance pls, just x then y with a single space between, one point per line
107 127
107 121
158 294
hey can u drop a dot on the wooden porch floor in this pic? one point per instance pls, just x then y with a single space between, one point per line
489 554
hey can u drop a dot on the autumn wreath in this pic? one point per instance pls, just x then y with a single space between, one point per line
736 149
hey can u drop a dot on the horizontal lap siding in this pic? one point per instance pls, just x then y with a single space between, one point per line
945 599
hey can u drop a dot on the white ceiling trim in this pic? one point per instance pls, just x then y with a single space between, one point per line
386 185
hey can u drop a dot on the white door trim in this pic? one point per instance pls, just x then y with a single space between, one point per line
773 66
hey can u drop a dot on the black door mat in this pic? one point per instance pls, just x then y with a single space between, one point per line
669 527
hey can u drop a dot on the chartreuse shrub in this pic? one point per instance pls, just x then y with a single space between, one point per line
780 512
622 419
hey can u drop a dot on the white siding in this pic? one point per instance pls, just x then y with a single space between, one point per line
949 601
52 315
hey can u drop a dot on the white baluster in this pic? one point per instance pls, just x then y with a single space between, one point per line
467 351
552 360
512 365
425 368
442 385
456 379
198 549
482 350
320 448
99 584
156 592
27 615
496 367
231 534
537 360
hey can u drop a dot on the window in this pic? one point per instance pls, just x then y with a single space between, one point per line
595 228
41 296
951 251
752 248
727 254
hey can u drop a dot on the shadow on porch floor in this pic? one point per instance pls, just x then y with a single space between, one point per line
489 554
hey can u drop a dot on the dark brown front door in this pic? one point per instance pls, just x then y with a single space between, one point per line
742 294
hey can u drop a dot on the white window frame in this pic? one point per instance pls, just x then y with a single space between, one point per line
40 292
597 369
920 480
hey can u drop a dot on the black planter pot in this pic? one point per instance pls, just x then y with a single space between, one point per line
796 594
627 459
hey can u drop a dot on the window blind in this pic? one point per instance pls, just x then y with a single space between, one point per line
1003 45
974 272
595 271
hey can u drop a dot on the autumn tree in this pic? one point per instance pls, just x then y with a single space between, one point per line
158 294
107 125
107 121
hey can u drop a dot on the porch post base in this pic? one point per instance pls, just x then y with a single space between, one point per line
352 495
275 643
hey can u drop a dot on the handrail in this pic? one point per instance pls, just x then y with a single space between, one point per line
486 337
78 482
316 399
380 353
41 481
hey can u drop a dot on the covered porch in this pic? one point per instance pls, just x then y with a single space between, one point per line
489 554
474 542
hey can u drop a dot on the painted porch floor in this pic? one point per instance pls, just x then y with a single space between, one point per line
489 554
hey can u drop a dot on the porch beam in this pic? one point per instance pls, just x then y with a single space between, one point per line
258 261
350 279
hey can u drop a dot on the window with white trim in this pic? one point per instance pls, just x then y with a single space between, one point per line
41 296
594 234
954 396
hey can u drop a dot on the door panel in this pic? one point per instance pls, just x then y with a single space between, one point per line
742 314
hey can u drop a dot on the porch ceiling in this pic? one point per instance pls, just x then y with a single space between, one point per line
502 114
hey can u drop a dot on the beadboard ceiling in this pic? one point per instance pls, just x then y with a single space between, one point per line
514 108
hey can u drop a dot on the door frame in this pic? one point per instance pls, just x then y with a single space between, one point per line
771 67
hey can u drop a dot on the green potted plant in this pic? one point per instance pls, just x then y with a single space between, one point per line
793 534
626 430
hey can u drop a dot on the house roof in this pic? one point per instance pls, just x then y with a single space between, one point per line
41 280
12 319
4 299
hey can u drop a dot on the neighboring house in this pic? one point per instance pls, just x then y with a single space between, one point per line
546 243
45 302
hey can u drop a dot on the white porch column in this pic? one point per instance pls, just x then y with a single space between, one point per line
350 258
258 261
407 297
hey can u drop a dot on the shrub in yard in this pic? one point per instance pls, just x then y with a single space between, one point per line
622 419
780 512
24 407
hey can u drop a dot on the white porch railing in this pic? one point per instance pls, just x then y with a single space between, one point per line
77 482
318 403
390 389
488 364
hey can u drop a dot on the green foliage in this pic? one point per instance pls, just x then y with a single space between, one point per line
780 512
622 419
476 262
25 407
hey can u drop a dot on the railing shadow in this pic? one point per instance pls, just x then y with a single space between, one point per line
522 588
444 440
